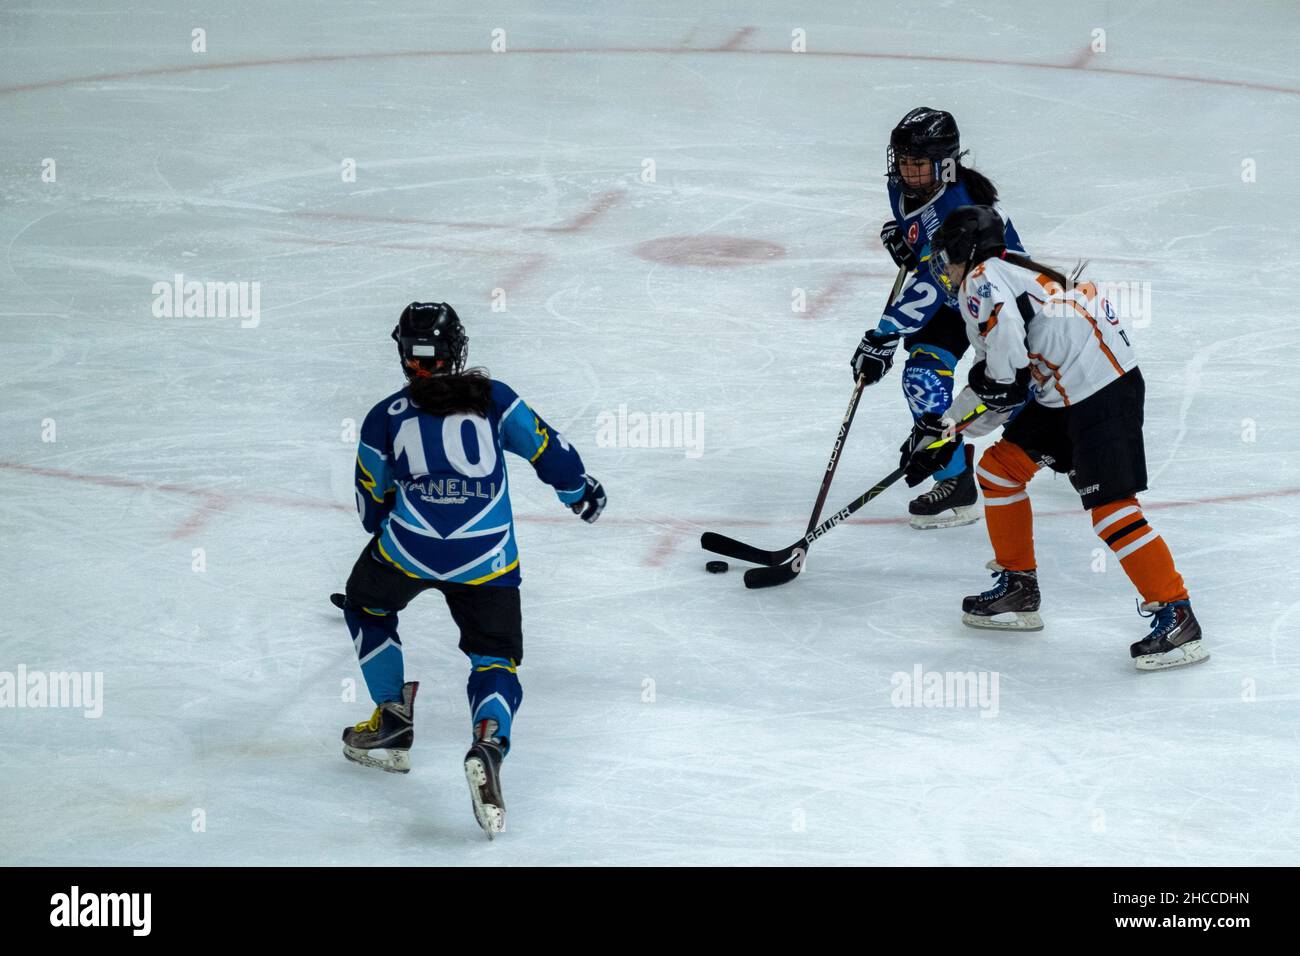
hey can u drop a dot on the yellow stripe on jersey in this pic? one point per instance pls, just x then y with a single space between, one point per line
487 577
368 482
389 558
496 574
546 440
920 351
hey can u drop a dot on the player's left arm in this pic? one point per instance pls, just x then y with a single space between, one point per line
528 435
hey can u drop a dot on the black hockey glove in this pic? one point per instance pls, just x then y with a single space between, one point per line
592 502
922 462
892 238
873 357
999 396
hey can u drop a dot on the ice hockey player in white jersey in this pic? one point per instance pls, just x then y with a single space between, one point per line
1027 321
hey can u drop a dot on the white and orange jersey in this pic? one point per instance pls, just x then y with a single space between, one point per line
1073 342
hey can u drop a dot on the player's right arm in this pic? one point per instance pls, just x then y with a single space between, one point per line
375 489
990 300
914 306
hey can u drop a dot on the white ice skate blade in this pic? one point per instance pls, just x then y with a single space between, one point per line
953 518
1190 653
398 761
491 818
1006 621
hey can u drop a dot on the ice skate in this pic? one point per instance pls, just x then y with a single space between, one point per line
1175 637
951 503
1010 605
390 728
483 771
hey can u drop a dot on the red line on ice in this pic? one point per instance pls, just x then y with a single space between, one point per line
595 209
669 539
211 505
665 546
179 69
1083 59
399 220
599 206
835 290
736 40
530 262
400 246
674 525
138 484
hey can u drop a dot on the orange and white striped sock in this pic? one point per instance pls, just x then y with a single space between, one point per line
1142 553
1003 472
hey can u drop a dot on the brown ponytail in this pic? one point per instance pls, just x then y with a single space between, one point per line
979 187
468 392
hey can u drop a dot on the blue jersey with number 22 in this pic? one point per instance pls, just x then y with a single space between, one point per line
434 488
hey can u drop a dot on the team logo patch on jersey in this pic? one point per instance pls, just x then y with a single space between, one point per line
973 304
913 231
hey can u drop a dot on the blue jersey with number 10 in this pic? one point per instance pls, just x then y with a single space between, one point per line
434 488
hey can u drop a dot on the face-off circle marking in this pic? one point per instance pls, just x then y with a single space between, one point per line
719 252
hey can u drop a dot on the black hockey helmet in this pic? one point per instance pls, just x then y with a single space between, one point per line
924 132
430 340
968 236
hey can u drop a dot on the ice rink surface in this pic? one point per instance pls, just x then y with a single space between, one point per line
650 187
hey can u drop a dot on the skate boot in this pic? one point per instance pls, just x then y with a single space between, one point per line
483 771
391 728
1175 637
1011 604
951 503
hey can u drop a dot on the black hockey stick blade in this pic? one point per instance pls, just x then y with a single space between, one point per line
338 600
784 573
772 577
730 547
721 544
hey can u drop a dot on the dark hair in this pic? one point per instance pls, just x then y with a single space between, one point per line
468 392
1022 260
979 187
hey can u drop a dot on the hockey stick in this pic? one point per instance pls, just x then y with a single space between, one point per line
786 564
721 544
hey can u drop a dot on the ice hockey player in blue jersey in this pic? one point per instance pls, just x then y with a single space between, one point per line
432 490
926 181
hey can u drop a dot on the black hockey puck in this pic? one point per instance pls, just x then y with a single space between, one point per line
716 567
